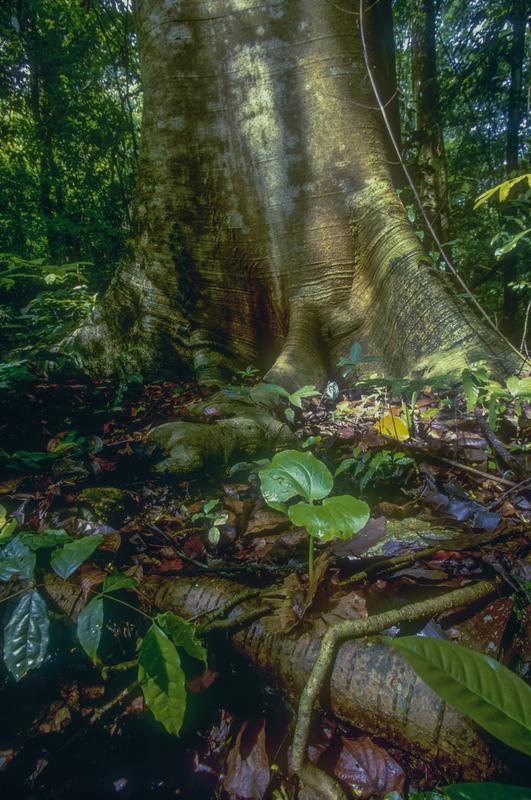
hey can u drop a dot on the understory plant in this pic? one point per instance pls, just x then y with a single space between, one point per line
293 475
23 554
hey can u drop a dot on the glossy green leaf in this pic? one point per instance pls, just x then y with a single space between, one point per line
292 474
45 539
8 531
162 679
475 684
486 791
182 633
117 581
16 559
338 517
65 561
26 635
89 627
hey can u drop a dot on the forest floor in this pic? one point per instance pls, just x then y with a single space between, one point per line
450 502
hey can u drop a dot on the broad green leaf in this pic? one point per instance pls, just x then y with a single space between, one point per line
16 559
519 387
486 791
293 474
65 561
268 394
26 635
209 505
117 581
89 626
182 633
305 391
3 515
7 531
162 679
338 517
475 684
45 539
394 427
503 188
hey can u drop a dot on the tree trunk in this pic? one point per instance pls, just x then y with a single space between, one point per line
515 112
431 161
268 229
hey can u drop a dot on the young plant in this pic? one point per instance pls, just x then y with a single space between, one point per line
271 394
291 475
27 630
352 362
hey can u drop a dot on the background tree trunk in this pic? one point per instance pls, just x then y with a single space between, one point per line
431 161
515 113
268 228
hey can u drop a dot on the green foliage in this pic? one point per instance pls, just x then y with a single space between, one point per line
481 390
26 632
162 679
475 684
475 791
274 396
336 517
353 361
292 474
502 190
66 560
89 626
26 635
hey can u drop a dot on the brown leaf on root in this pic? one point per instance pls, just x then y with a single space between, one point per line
247 775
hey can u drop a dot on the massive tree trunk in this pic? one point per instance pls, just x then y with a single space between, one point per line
268 229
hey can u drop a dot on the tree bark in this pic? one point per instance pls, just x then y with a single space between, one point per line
268 229
371 686
431 161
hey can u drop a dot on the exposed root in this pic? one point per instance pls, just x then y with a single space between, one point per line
249 430
366 627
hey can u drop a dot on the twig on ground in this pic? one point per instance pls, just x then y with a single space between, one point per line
501 454
349 629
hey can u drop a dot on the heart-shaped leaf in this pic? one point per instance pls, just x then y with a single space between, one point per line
337 517
89 626
26 635
65 561
162 679
293 474
475 684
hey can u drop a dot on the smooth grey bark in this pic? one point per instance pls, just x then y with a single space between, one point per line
268 229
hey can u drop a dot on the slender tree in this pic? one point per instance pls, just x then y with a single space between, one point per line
430 167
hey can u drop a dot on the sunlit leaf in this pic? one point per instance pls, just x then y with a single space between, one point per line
162 679
305 391
486 791
393 426
337 517
26 635
293 474
475 684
